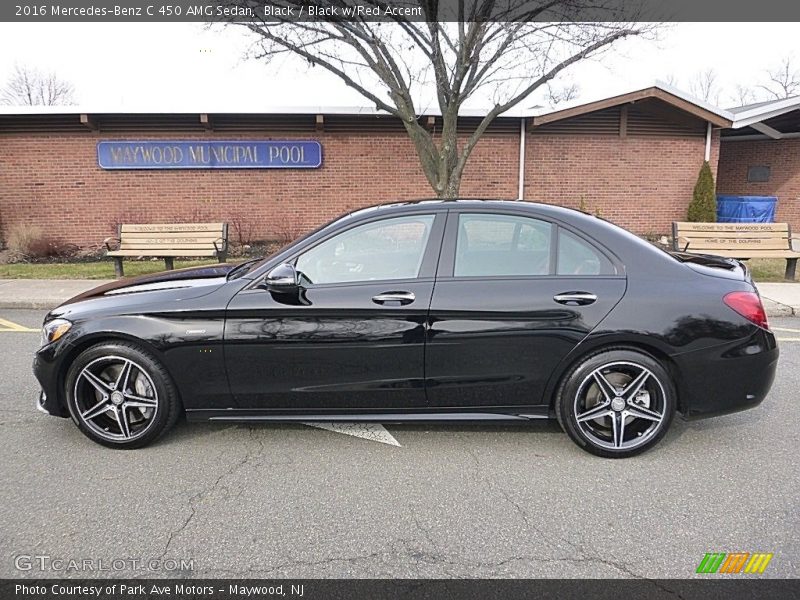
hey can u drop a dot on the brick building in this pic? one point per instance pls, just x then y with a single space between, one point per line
760 155
632 158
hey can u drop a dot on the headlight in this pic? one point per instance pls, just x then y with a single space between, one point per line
53 330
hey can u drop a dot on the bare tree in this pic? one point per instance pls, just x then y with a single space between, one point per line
30 87
743 95
784 80
704 86
672 80
564 93
501 50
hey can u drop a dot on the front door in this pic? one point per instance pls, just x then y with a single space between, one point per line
514 295
354 337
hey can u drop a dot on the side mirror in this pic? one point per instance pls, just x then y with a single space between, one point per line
282 279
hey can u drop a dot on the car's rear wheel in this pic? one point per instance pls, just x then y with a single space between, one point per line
616 403
121 396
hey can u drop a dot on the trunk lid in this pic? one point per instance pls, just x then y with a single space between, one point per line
715 266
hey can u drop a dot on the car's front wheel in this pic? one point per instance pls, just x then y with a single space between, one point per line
120 395
616 403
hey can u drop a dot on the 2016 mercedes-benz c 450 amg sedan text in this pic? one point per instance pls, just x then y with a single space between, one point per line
480 310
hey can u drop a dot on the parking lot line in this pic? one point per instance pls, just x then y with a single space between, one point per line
9 326
797 339
786 329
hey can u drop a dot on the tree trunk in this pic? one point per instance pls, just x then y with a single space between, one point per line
451 191
448 152
441 163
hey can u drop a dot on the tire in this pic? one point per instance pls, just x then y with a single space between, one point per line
616 403
120 380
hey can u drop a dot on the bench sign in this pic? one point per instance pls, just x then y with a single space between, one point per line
182 154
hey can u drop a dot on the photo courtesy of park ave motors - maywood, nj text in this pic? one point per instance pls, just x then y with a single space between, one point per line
389 299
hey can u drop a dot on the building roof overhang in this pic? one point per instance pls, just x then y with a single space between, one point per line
539 115
761 120
659 91
763 111
772 120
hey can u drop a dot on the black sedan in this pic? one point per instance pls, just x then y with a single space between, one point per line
466 310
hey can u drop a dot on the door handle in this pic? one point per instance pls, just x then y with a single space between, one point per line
401 297
579 298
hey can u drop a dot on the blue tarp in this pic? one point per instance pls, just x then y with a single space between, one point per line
746 209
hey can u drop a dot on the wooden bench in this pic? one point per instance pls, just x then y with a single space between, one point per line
738 240
168 240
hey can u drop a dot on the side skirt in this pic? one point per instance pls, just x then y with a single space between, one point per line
525 414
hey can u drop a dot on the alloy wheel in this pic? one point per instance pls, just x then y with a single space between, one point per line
620 405
116 398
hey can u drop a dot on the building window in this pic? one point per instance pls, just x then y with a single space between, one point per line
757 174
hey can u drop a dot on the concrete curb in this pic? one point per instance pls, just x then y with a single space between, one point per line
42 293
780 299
28 304
776 309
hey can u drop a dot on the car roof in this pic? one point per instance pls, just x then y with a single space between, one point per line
618 240
415 206
446 204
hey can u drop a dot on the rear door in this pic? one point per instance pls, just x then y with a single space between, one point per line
514 295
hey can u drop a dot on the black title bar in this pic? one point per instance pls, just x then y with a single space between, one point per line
734 588
272 11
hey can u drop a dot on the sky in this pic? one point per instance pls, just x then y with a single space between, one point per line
186 66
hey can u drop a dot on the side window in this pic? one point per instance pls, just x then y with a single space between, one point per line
388 249
576 257
502 245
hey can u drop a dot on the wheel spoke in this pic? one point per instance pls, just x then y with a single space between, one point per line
609 391
122 419
640 412
596 412
122 379
133 399
635 385
101 386
140 404
96 410
618 424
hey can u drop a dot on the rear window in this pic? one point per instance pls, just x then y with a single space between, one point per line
578 257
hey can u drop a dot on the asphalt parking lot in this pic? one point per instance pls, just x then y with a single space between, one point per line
450 501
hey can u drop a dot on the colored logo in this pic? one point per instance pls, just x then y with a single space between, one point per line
735 562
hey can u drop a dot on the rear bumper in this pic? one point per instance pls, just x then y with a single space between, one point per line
727 378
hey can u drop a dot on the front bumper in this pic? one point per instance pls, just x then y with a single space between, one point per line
728 378
40 403
45 368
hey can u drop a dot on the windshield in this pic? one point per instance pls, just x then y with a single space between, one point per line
243 268
257 262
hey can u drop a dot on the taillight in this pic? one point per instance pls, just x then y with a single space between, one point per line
748 304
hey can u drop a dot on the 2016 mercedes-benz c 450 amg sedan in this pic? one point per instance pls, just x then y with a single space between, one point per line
480 310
